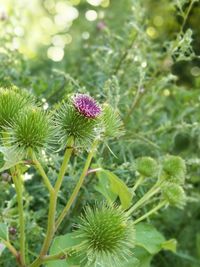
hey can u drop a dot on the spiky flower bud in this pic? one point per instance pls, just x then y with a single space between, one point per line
147 167
11 103
78 118
174 194
107 234
174 169
86 106
32 129
112 123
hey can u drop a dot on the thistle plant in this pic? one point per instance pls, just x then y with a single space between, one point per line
104 234
108 236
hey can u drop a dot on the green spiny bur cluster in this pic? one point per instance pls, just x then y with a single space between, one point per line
174 169
108 235
69 122
147 166
12 101
29 127
174 194
32 129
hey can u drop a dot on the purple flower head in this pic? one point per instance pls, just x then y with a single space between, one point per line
86 105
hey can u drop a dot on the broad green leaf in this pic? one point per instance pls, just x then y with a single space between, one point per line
118 187
170 245
3 231
103 187
140 258
8 158
64 243
149 238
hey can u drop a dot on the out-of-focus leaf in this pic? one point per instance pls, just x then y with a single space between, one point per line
170 245
3 231
8 158
103 187
118 187
149 238
2 247
64 243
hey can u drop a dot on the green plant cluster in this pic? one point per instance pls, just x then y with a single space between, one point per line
139 58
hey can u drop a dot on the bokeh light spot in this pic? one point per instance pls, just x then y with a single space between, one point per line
55 53
91 15
94 2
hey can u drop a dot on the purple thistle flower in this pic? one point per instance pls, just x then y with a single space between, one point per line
86 105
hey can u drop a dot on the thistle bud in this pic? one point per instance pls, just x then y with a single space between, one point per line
32 129
174 194
107 234
147 167
11 103
174 169
78 118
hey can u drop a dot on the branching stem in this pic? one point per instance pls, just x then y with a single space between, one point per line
78 185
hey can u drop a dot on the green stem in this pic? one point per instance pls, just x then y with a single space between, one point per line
63 168
52 206
19 192
138 182
10 247
187 14
42 172
154 190
59 256
78 185
159 206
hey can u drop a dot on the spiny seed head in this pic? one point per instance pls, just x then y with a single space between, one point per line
112 123
147 167
12 101
86 106
32 129
174 169
108 236
174 194
70 122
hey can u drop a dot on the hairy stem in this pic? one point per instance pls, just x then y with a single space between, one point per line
63 168
146 215
78 185
11 248
42 173
60 256
52 206
19 192
138 183
154 190
187 14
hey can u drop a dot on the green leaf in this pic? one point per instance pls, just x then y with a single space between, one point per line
149 238
103 187
170 245
64 243
118 187
8 158
2 161
3 231
2 247
141 258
